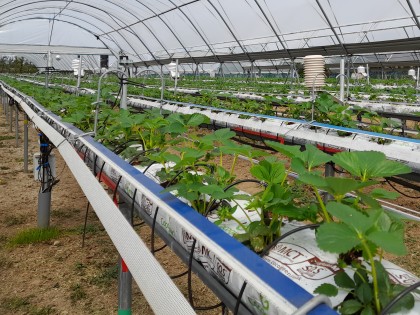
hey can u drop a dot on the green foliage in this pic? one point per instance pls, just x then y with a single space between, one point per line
77 293
33 235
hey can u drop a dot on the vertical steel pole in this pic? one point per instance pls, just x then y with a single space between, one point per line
16 126
79 74
342 81
47 70
124 92
44 195
124 275
25 143
176 76
348 69
368 73
11 118
6 108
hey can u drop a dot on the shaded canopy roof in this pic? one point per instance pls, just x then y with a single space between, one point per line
156 31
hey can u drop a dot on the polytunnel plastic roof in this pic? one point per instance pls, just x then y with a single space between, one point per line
156 31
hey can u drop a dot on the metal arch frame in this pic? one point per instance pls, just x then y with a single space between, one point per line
63 21
413 12
101 10
272 28
331 27
167 26
151 17
112 39
70 16
197 30
115 18
68 22
230 30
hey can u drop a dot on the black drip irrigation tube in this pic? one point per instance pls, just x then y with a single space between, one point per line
281 237
228 299
398 298
152 245
190 291
212 204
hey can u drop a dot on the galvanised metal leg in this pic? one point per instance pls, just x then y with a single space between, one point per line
16 126
44 209
10 118
124 276
25 143
44 195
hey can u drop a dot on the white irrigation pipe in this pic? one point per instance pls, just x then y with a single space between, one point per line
158 288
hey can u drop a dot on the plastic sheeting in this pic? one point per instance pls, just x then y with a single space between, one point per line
148 30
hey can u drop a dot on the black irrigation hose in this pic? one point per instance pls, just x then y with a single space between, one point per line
142 153
160 248
152 244
84 157
190 293
210 167
94 165
399 191
101 171
152 236
210 206
121 147
281 237
148 166
337 170
114 195
238 301
133 204
85 224
398 297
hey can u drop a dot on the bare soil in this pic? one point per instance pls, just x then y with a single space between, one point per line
62 277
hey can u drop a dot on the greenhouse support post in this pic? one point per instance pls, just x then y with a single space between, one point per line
368 74
25 143
176 76
79 73
16 126
6 107
124 92
44 195
342 69
11 116
124 276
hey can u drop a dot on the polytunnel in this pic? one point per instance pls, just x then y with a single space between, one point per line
240 156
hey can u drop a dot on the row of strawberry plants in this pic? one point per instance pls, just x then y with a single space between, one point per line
327 110
355 228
